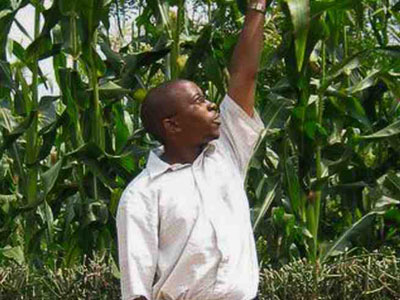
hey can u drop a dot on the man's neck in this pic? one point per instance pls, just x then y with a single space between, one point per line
181 154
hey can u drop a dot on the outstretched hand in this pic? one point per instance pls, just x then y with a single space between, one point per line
246 57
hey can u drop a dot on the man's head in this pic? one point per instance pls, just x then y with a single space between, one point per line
177 112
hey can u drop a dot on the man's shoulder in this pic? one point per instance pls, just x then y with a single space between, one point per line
138 188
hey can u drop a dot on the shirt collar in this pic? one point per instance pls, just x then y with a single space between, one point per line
156 166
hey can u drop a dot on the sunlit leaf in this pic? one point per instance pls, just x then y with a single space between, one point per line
300 13
15 253
265 205
389 131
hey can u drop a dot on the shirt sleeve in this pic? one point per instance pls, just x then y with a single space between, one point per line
239 132
137 226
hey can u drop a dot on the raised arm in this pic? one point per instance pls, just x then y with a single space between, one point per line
246 57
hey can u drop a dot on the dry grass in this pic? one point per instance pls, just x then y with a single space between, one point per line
369 276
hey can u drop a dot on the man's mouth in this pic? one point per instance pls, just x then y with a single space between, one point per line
217 120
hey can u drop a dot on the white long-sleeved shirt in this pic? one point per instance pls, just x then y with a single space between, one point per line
184 230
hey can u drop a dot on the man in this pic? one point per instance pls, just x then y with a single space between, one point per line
184 228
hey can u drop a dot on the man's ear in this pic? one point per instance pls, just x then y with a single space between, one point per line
171 126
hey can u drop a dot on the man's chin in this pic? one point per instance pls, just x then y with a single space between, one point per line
215 136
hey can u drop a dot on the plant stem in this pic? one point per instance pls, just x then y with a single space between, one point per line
96 131
318 155
346 51
32 133
318 193
209 11
176 36
78 139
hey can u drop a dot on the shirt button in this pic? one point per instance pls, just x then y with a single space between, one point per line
225 259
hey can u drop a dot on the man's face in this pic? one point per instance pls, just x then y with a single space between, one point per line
197 119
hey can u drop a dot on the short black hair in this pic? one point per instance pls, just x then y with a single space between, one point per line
159 104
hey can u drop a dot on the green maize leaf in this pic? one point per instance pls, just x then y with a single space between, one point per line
392 50
392 183
5 12
261 187
271 115
6 201
135 61
391 83
101 173
346 66
353 62
68 7
114 269
46 214
358 228
214 73
92 156
389 131
300 15
121 130
318 7
266 204
15 253
6 79
20 53
51 18
306 233
112 90
7 16
92 13
73 250
66 83
293 187
50 177
42 46
114 59
11 137
242 5
200 50
365 83
78 91
349 106
49 139
47 111
384 202
7 198
87 150
18 50
96 64
277 111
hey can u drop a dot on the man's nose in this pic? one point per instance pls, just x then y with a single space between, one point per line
211 105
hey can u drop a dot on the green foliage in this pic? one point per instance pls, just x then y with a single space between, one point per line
325 175
332 140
